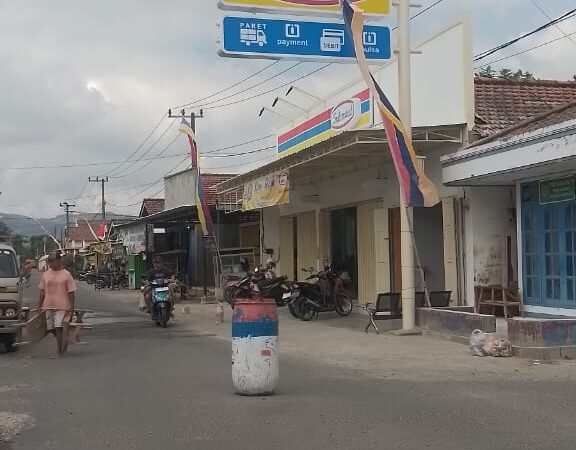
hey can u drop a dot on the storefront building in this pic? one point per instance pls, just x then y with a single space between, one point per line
533 168
342 199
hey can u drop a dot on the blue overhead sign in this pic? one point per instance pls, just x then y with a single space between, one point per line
247 37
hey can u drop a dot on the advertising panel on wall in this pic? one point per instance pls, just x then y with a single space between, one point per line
134 239
270 190
308 7
351 114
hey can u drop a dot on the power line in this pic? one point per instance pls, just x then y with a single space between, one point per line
158 156
545 13
491 51
232 155
270 90
238 145
204 105
525 51
192 103
80 165
141 145
109 163
425 10
127 168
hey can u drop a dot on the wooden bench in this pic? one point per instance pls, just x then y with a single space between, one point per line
497 297
387 307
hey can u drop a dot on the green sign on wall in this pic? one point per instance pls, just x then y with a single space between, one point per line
557 190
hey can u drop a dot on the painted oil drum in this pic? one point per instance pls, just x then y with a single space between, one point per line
255 361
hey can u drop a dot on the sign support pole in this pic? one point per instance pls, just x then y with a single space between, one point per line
406 213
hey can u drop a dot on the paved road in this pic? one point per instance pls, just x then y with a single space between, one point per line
140 387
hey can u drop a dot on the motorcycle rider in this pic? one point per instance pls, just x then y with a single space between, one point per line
156 272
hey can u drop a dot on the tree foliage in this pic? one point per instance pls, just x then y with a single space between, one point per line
506 74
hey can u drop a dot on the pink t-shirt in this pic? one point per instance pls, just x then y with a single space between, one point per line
57 284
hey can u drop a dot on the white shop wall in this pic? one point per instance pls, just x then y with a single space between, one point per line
362 186
489 221
179 189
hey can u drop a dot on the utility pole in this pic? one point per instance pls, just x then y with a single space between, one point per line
406 213
193 116
102 181
66 207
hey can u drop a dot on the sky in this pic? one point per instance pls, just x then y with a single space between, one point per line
86 82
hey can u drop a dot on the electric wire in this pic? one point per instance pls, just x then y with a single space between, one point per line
570 14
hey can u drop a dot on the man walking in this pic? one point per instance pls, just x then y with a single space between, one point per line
57 296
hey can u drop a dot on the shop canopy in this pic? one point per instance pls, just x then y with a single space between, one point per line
345 153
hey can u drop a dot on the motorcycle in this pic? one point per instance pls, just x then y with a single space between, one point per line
321 292
161 300
277 288
88 276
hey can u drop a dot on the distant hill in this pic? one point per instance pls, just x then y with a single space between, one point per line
26 226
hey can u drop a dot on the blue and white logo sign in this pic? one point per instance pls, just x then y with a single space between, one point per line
247 37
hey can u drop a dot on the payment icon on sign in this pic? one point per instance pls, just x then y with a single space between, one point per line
292 30
332 40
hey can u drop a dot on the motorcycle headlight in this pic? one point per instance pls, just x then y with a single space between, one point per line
10 313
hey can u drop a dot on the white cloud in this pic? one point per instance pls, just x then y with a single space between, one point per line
84 85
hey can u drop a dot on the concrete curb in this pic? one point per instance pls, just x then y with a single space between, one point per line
545 353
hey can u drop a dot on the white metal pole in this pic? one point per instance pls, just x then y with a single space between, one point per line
406 214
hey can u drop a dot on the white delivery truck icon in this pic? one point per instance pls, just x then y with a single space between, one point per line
332 40
250 36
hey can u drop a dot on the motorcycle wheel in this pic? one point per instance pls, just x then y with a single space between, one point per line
293 309
100 284
163 318
306 311
344 305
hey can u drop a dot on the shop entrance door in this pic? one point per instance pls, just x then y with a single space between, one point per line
344 245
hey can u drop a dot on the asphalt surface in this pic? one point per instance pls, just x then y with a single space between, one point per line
140 387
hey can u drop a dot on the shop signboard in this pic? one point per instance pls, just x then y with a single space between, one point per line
270 190
557 190
306 7
255 37
134 239
351 114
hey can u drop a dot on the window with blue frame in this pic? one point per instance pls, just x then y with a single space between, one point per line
548 250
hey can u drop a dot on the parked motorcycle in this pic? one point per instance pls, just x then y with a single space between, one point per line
161 300
321 292
259 283
88 276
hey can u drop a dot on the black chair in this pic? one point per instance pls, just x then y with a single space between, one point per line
387 307
440 299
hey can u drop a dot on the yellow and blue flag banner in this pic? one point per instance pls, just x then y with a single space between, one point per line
204 215
416 187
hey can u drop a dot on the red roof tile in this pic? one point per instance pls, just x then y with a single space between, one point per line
80 231
501 104
563 113
151 206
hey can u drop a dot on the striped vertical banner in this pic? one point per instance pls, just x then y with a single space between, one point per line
416 187
204 215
